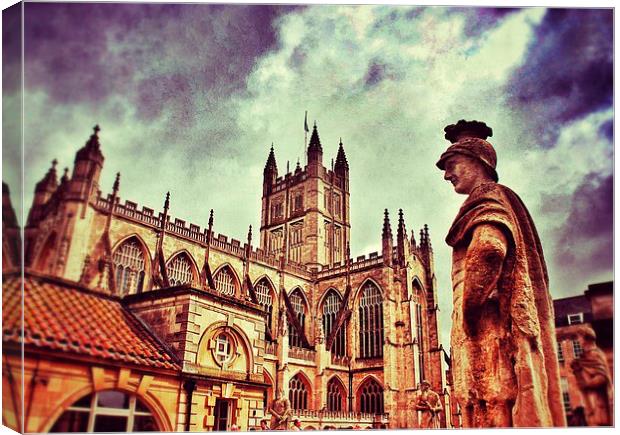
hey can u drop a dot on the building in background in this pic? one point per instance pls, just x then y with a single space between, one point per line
593 308
135 320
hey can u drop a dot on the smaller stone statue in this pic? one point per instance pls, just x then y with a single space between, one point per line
428 404
594 381
282 323
280 412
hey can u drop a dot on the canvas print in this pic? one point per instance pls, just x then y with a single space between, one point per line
229 217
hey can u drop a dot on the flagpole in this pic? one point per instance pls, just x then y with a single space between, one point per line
306 136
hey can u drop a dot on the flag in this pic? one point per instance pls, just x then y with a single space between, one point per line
306 129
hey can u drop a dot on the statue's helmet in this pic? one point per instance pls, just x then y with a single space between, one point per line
469 138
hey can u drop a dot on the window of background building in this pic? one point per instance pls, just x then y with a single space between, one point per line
263 294
297 301
106 411
129 263
180 270
370 322
331 307
560 353
225 282
577 349
371 398
298 393
565 394
296 241
574 319
336 204
335 395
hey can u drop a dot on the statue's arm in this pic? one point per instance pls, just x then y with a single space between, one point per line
483 267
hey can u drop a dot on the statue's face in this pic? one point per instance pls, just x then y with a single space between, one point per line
465 173
424 387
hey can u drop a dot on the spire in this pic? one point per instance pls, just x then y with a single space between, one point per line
401 233
413 242
271 166
92 149
315 150
386 244
427 238
116 184
341 159
167 203
387 229
49 182
250 236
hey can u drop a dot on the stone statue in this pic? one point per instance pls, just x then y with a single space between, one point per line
594 380
280 412
504 351
428 404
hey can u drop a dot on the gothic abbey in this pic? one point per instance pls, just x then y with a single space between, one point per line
200 332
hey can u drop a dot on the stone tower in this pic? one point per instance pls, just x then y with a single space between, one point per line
305 214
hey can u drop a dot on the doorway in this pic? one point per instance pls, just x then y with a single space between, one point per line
223 415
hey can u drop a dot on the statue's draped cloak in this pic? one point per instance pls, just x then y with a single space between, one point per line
523 286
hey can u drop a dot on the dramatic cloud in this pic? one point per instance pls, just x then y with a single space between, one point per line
190 98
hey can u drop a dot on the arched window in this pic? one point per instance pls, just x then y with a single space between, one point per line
265 299
225 282
129 269
297 301
331 307
180 270
370 397
298 393
107 411
371 322
335 395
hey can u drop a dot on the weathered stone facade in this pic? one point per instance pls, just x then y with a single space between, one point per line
573 316
348 341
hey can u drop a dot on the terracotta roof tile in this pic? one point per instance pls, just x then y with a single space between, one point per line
58 316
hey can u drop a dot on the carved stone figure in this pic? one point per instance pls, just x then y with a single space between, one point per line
428 404
504 352
280 412
594 380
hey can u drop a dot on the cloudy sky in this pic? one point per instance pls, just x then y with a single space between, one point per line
190 98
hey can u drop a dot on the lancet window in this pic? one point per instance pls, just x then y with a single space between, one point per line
225 282
371 322
180 270
331 307
371 398
335 396
299 307
129 273
298 393
263 294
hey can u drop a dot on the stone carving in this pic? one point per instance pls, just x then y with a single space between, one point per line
428 404
504 352
594 380
280 412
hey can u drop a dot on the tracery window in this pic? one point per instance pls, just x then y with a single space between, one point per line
371 398
276 241
225 282
106 411
336 204
129 273
335 395
331 307
298 393
296 241
371 322
180 270
299 307
337 244
263 294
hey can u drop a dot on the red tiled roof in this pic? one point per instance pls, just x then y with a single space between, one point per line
59 316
